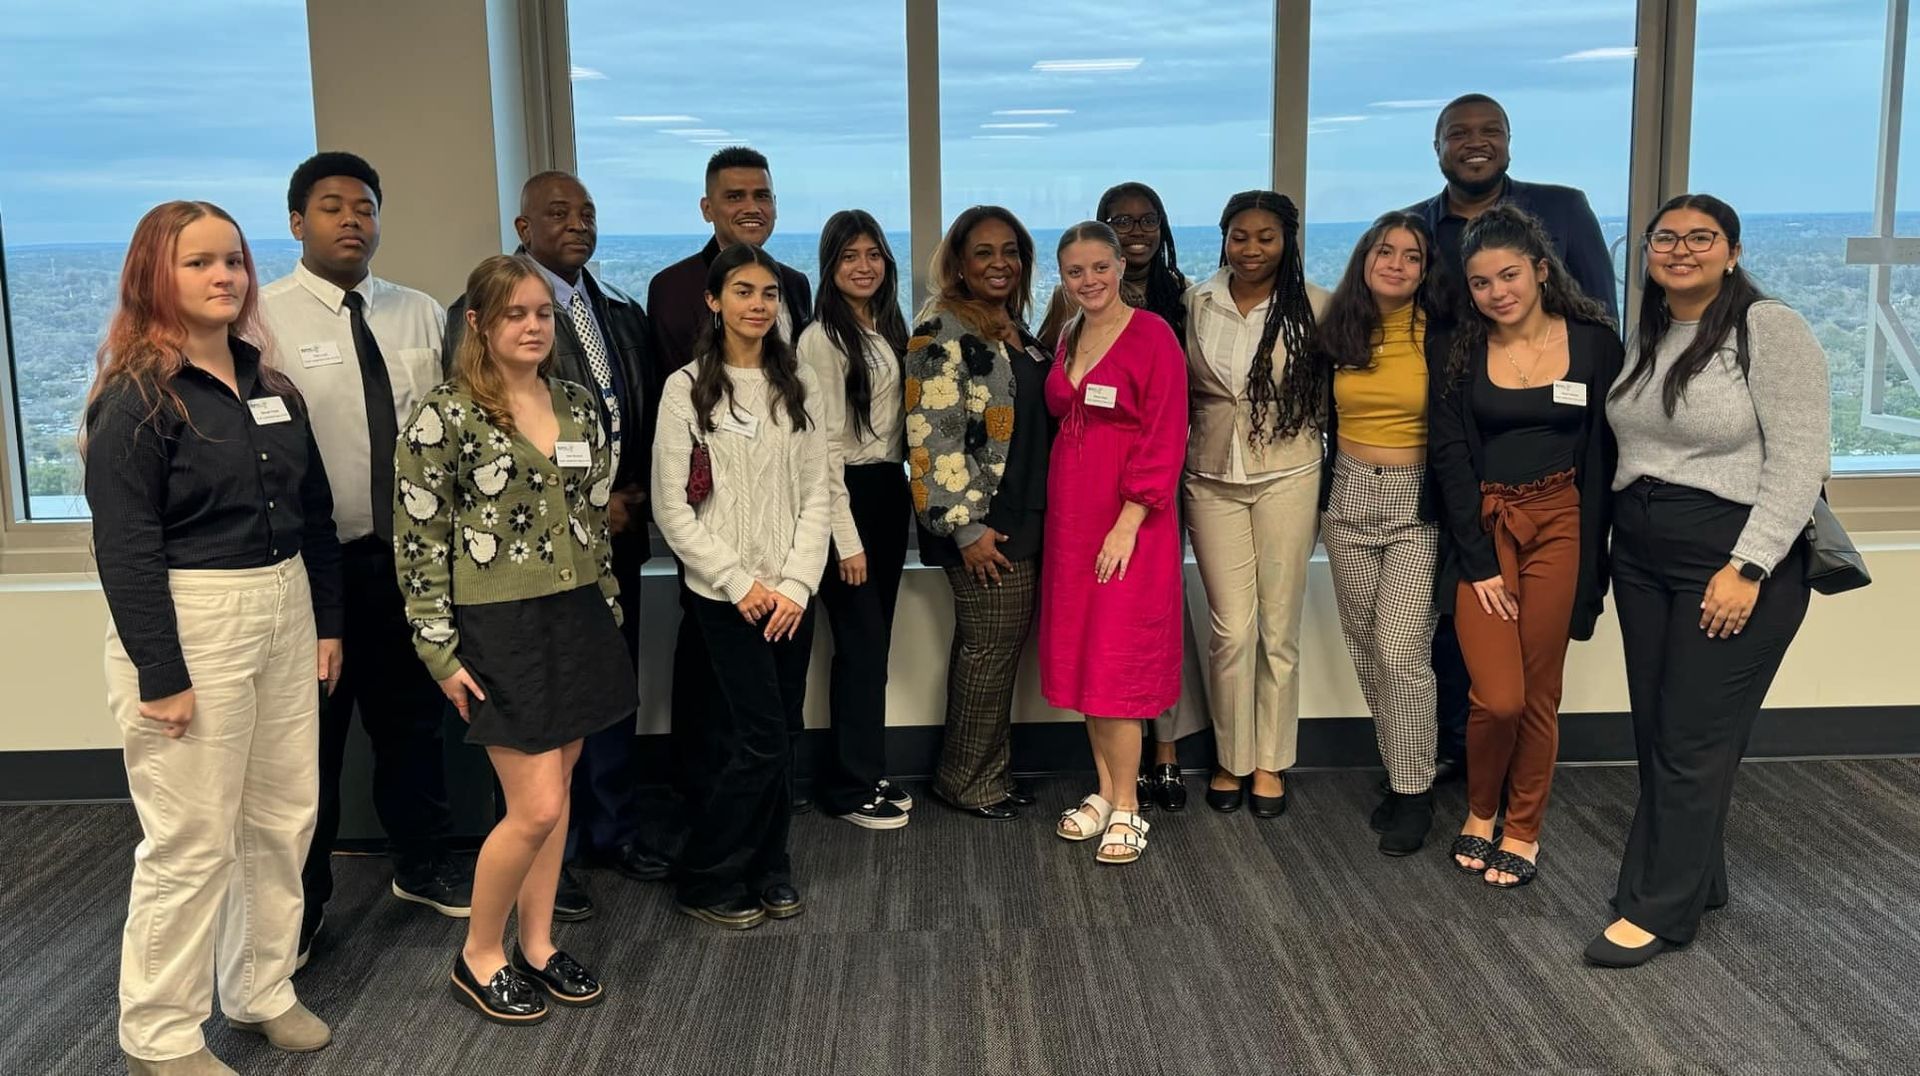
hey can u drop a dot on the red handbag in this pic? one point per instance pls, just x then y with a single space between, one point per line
699 474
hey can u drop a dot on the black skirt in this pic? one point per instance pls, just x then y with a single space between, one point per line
555 670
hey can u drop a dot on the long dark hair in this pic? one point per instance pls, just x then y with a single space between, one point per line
949 281
1508 227
1727 313
1096 231
1298 400
1345 335
1166 287
835 313
710 378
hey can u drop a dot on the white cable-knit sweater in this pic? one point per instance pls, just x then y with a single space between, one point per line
767 518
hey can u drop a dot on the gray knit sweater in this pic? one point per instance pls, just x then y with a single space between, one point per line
1761 439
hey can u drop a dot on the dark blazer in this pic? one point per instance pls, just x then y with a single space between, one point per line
1438 341
677 297
1454 457
1569 220
630 336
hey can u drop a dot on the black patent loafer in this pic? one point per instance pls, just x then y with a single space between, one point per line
1019 795
740 913
507 998
564 980
781 901
571 903
1143 792
992 812
1169 791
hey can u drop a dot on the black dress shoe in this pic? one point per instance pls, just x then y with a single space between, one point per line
992 812
571 903
1018 795
781 901
1169 791
507 998
1267 806
739 913
1143 792
563 978
1605 953
1227 801
640 863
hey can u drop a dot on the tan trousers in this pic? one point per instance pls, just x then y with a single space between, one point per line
1252 543
226 811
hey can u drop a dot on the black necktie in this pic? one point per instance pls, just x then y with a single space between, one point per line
383 429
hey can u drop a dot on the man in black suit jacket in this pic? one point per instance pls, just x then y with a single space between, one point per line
593 319
739 204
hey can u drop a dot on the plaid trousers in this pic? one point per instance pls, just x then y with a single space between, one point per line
989 633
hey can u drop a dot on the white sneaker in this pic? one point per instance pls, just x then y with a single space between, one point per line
877 813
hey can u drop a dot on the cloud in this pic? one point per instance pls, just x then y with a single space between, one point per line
1611 52
1421 103
586 74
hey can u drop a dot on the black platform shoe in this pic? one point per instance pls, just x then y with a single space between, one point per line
1229 800
563 978
507 998
1169 791
781 901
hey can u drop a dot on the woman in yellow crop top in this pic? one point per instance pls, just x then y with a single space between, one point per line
1381 334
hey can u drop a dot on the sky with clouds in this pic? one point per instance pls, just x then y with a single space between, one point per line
1043 105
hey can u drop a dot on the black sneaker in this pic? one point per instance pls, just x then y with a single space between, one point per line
877 813
894 794
571 903
439 885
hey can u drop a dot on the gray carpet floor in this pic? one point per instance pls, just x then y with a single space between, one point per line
973 949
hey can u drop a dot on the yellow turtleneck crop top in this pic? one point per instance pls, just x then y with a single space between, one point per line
1385 405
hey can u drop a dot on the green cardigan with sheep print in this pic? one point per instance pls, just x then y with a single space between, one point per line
482 516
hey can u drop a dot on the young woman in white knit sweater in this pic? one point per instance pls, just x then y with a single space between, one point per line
740 493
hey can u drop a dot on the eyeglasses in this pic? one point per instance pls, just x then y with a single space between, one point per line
1125 222
1700 240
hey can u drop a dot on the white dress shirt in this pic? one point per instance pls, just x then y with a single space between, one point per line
1228 340
847 444
313 344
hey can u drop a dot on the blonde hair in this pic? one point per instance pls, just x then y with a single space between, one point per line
490 289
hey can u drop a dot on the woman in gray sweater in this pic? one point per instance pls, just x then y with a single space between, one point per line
1722 422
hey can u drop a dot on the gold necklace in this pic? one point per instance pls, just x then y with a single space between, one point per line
1526 381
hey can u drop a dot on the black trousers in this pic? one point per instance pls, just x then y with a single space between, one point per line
1694 699
737 836
694 697
604 780
862 621
1451 683
401 709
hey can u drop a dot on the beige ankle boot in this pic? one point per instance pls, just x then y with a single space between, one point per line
196 1064
296 1031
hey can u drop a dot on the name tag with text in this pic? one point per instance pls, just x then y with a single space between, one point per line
268 410
1570 392
744 425
1103 395
324 353
572 454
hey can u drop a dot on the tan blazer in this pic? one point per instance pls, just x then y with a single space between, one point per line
1218 415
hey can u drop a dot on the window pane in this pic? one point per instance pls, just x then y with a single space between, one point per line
1382 69
820 88
106 117
1043 107
1786 129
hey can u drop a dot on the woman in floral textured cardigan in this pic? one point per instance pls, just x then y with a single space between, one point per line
978 435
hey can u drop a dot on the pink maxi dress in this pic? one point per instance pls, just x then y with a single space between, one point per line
1113 649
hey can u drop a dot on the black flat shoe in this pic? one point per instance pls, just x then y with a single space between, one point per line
563 978
740 913
571 903
1267 806
506 999
1225 801
781 901
992 812
1018 795
1169 791
1605 953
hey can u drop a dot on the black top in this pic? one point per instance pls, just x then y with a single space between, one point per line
1569 220
1524 435
211 488
1019 505
1457 455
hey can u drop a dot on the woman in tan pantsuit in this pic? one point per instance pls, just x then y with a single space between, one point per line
1252 485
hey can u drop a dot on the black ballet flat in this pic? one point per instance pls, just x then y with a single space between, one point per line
1227 801
1267 806
563 978
1168 790
1605 953
507 998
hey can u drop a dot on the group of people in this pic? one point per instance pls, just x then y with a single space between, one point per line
326 479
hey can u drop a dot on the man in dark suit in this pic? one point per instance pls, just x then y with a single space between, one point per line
1471 140
739 204
602 340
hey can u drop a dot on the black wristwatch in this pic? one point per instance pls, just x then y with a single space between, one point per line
1750 570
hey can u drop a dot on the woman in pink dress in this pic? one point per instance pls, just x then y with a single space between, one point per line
1110 576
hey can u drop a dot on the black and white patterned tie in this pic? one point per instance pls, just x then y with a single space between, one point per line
598 365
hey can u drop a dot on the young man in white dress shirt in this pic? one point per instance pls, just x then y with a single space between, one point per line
363 351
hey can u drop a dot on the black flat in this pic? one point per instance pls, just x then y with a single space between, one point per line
992 812
507 998
781 901
1606 953
563 978
1226 802
1018 795
1168 790
1268 806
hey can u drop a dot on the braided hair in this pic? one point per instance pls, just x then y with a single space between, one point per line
1166 287
1284 407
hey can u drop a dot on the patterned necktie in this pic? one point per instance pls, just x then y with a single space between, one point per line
383 425
602 370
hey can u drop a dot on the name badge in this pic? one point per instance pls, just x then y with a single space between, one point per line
1570 392
324 353
744 425
268 410
572 454
1102 395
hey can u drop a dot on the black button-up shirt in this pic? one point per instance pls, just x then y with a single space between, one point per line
203 487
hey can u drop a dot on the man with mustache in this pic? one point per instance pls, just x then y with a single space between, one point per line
602 340
739 204
363 351
1471 140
